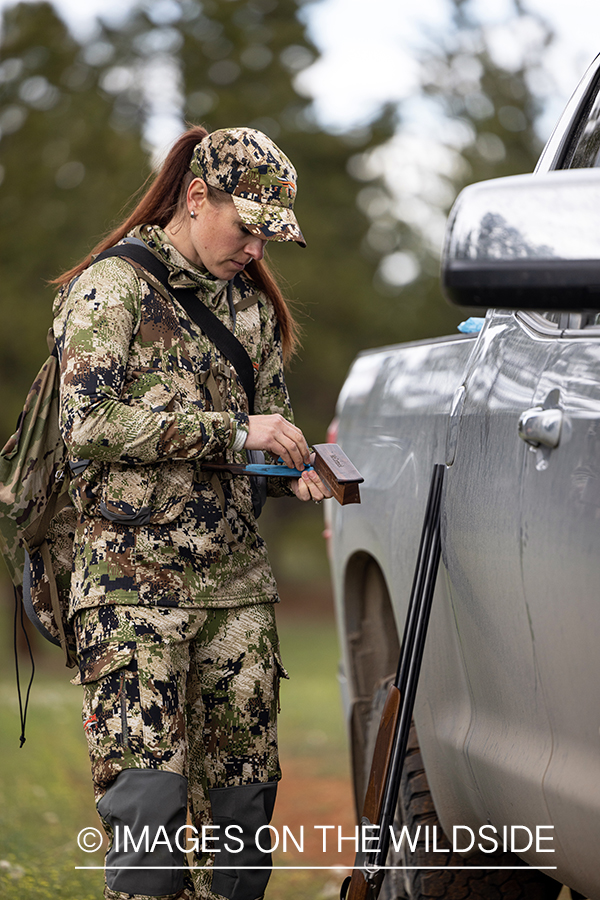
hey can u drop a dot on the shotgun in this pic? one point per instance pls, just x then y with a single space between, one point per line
330 463
392 737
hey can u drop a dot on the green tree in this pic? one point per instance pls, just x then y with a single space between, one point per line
70 156
493 101
474 117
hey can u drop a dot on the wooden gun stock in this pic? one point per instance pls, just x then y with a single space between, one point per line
392 737
382 756
357 886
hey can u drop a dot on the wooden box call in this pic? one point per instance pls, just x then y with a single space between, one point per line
338 473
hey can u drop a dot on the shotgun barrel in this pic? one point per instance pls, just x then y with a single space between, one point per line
392 738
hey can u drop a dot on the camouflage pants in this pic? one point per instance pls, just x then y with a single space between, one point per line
179 711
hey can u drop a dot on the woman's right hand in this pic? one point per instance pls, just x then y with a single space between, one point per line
279 437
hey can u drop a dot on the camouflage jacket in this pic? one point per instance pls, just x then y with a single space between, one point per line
145 397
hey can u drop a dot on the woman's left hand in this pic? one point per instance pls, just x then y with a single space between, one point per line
310 487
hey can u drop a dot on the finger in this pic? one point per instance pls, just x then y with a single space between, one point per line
300 489
317 488
280 437
292 456
294 449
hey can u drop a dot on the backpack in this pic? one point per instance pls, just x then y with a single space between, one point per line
37 520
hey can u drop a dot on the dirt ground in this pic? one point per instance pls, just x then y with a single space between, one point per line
307 798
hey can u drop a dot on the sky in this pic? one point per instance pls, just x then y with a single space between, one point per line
368 57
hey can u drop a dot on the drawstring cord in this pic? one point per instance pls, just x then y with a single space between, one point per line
22 711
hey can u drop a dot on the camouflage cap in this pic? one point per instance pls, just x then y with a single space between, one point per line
260 178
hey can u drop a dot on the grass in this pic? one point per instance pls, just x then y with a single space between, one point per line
46 796
311 722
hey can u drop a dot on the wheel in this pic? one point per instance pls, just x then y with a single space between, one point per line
415 807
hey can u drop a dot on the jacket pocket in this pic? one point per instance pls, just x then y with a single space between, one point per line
172 490
127 492
142 495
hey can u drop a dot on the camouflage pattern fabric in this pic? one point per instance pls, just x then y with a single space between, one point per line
146 397
259 176
32 465
36 518
187 894
189 691
50 568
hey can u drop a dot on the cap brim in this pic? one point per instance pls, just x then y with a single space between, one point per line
268 220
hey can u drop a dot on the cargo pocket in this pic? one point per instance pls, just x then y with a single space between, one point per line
111 708
103 659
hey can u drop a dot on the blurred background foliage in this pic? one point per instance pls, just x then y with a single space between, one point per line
74 148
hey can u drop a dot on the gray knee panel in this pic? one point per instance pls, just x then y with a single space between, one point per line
144 808
249 806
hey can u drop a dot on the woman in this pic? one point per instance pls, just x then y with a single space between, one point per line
172 593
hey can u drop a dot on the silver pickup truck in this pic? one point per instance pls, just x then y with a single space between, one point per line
500 795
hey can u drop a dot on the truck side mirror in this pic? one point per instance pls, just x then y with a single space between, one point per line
526 242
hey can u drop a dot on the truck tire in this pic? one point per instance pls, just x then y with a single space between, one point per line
415 807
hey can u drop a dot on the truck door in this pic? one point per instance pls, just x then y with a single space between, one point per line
560 529
509 732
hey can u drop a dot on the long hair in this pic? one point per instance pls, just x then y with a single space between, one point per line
164 198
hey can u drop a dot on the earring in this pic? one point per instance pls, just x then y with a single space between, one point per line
192 214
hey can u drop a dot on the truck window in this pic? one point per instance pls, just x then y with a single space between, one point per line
583 151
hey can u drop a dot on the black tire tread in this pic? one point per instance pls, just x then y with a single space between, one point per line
416 808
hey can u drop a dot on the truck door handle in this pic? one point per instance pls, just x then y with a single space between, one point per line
541 426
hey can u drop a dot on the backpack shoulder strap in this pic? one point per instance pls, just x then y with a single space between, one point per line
213 328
